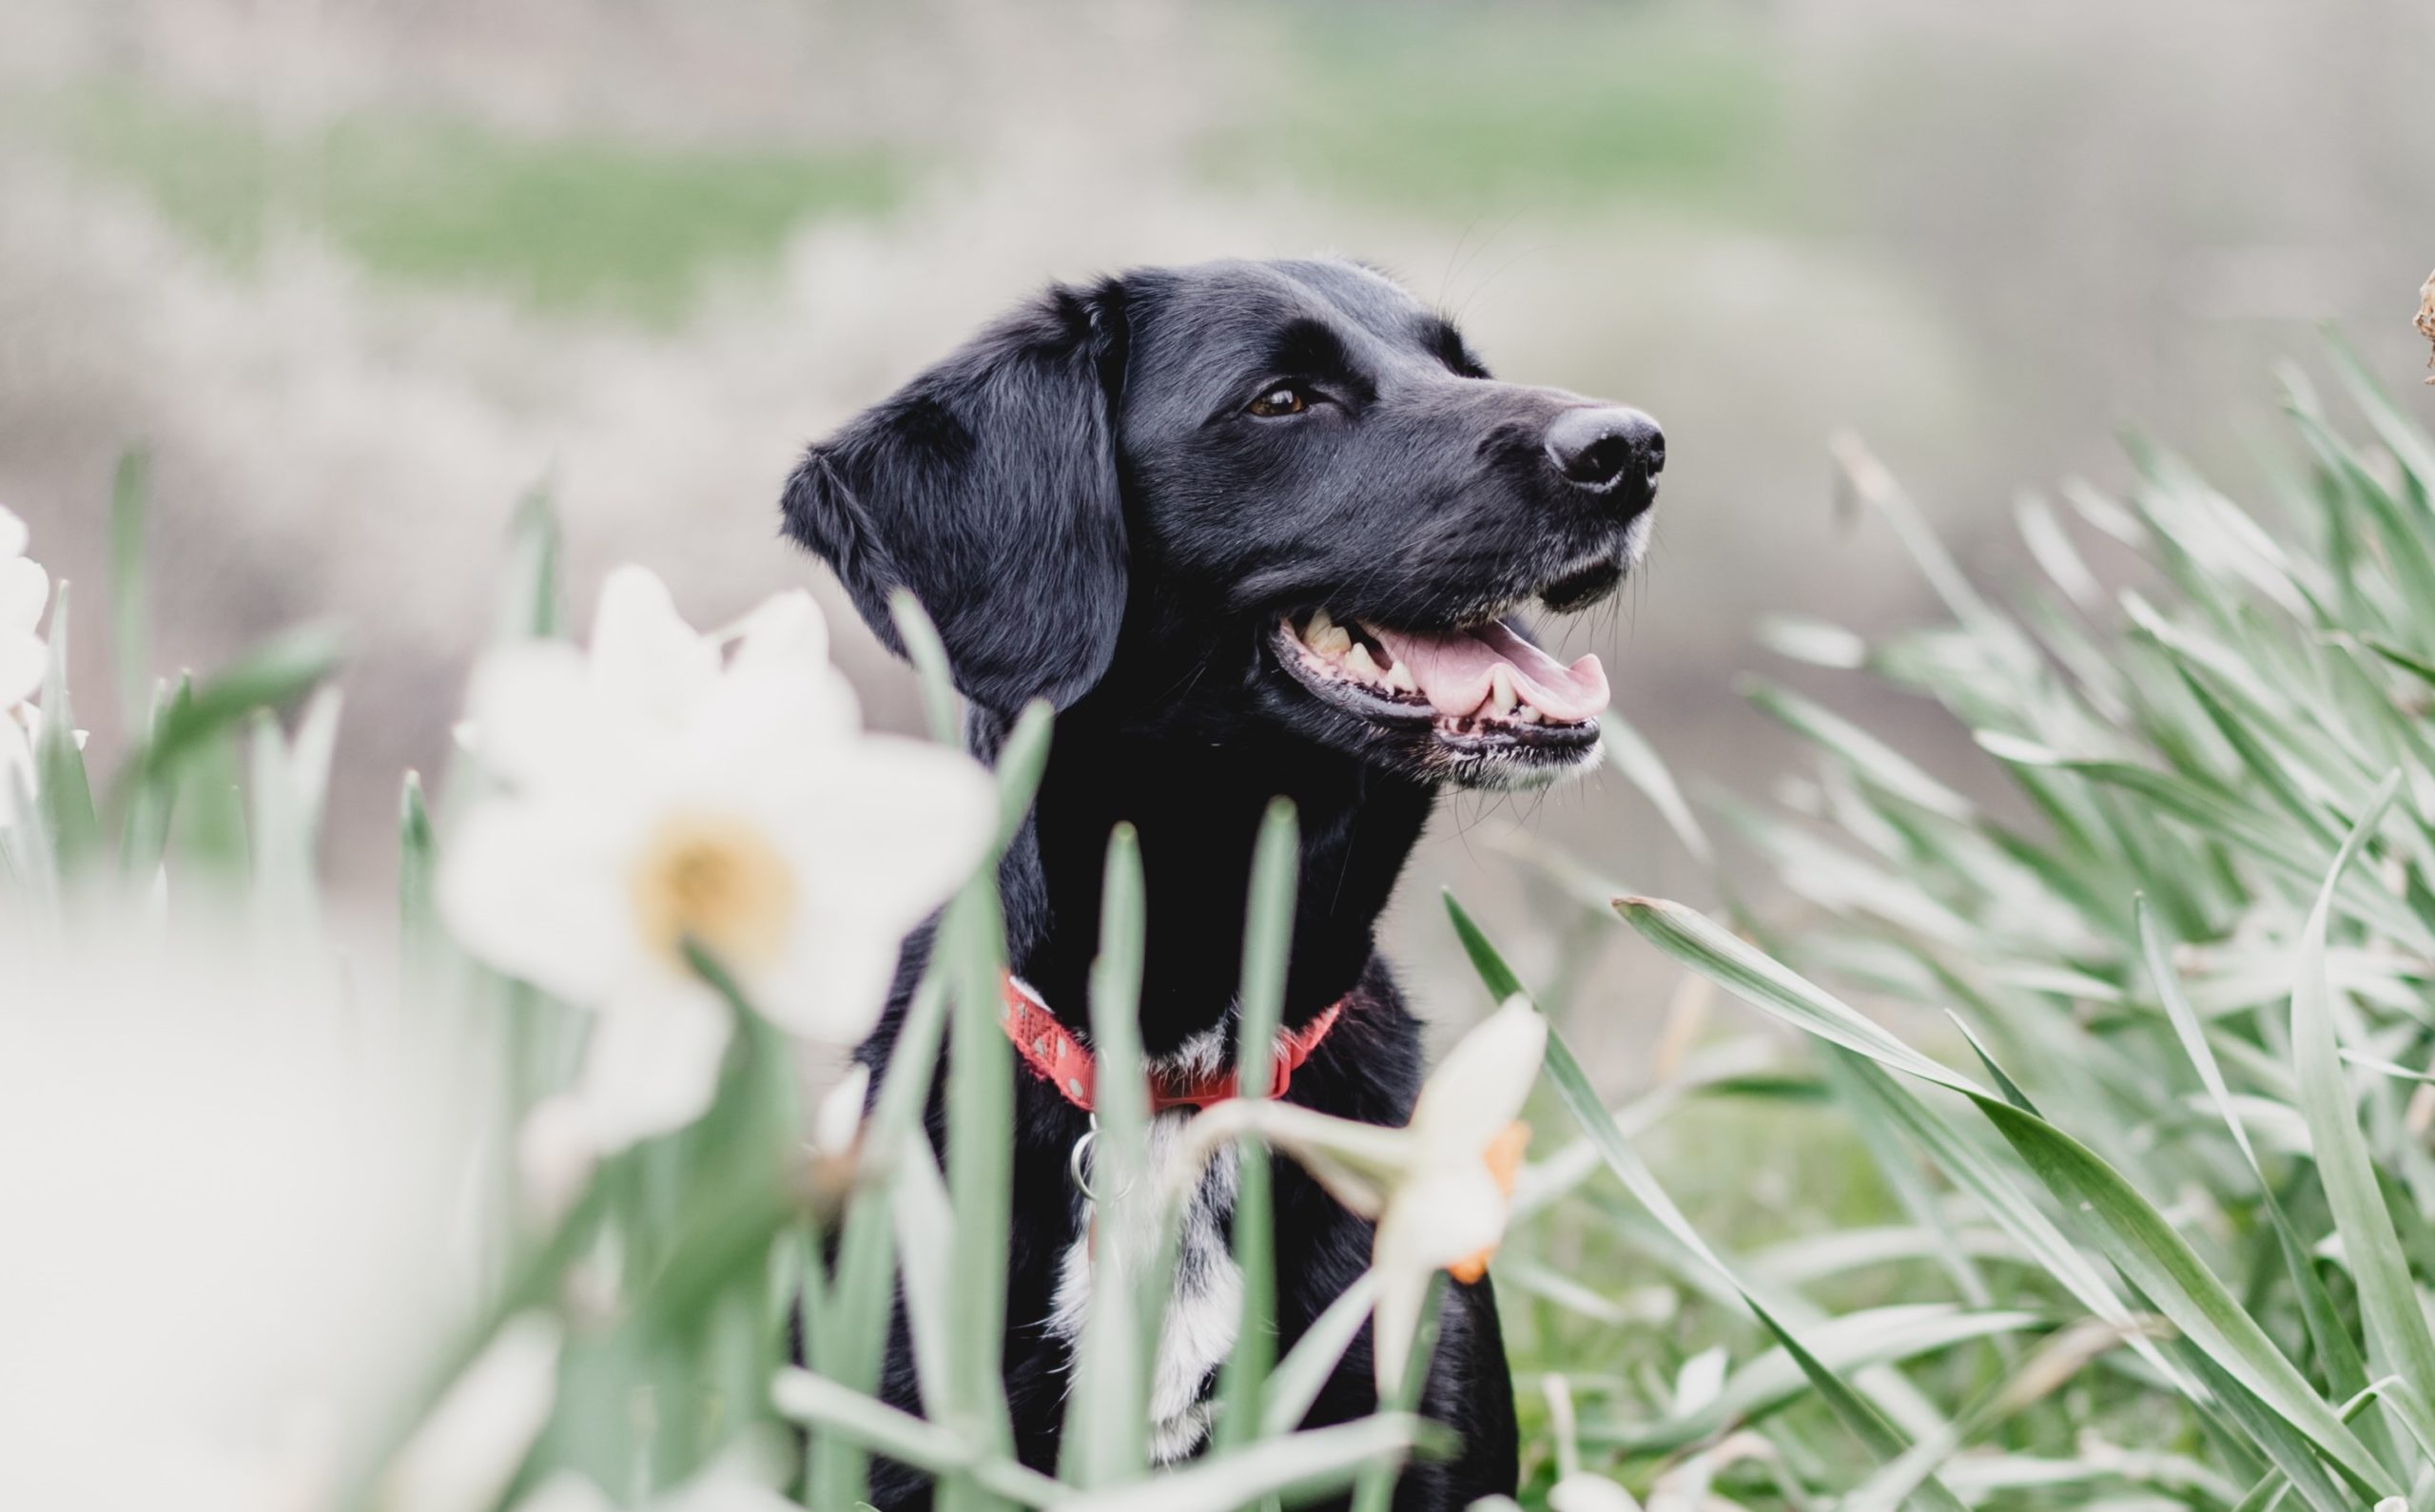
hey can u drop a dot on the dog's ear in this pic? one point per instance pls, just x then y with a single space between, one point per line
988 486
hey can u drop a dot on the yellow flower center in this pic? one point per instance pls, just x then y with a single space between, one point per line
1503 1158
717 882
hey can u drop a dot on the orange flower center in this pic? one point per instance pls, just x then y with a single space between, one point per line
1503 1158
715 881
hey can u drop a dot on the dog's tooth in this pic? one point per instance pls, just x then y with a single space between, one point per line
1320 624
1399 678
1359 663
1501 696
1333 640
1527 714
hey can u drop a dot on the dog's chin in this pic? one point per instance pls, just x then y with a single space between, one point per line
1375 710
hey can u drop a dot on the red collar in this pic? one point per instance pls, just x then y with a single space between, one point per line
1056 1058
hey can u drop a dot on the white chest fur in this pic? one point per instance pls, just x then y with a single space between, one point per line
1202 1315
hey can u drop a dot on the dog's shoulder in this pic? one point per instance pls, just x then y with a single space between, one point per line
1370 1065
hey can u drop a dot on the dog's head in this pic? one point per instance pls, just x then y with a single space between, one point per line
1277 491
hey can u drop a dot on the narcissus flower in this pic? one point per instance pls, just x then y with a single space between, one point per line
1441 1188
674 790
1448 1211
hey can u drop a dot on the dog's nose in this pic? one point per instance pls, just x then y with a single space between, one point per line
1600 448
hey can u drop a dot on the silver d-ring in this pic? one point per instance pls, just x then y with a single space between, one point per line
1078 1164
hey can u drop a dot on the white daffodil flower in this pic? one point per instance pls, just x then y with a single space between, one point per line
1441 1188
668 789
1448 1211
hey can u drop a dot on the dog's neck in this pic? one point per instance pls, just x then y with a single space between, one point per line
1197 809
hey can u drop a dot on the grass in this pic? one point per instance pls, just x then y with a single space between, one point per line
569 224
2190 1000
1466 109
2151 1224
666 1278
1453 111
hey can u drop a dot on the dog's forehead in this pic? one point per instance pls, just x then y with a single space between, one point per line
1237 307
1365 295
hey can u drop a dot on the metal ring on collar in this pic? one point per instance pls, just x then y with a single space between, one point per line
1077 1166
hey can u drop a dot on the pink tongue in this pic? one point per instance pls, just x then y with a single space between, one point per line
1454 669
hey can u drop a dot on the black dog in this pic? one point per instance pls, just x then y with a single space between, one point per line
1252 527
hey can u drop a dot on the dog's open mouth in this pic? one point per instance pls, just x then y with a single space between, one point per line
1478 684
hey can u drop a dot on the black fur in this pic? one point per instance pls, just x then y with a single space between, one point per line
989 486
1083 503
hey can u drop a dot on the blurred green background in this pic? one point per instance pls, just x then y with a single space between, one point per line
359 273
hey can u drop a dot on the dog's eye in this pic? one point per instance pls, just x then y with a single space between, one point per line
1286 399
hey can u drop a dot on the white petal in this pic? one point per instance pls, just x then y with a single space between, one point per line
833 982
535 888
785 637
1584 1491
1358 1163
566 1491
532 715
786 628
25 591
722 1489
908 820
839 1121
12 534
894 828
652 1064
1430 1224
23 659
771 719
1441 1217
1401 1292
1482 1083
16 769
555 1154
643 653
468 1450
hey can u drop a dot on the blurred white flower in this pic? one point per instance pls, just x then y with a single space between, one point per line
554 1156
17 770
1441 1188
837 1125
471 1446
1581 1491
25 592
1448 1211
314 1185
667 789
